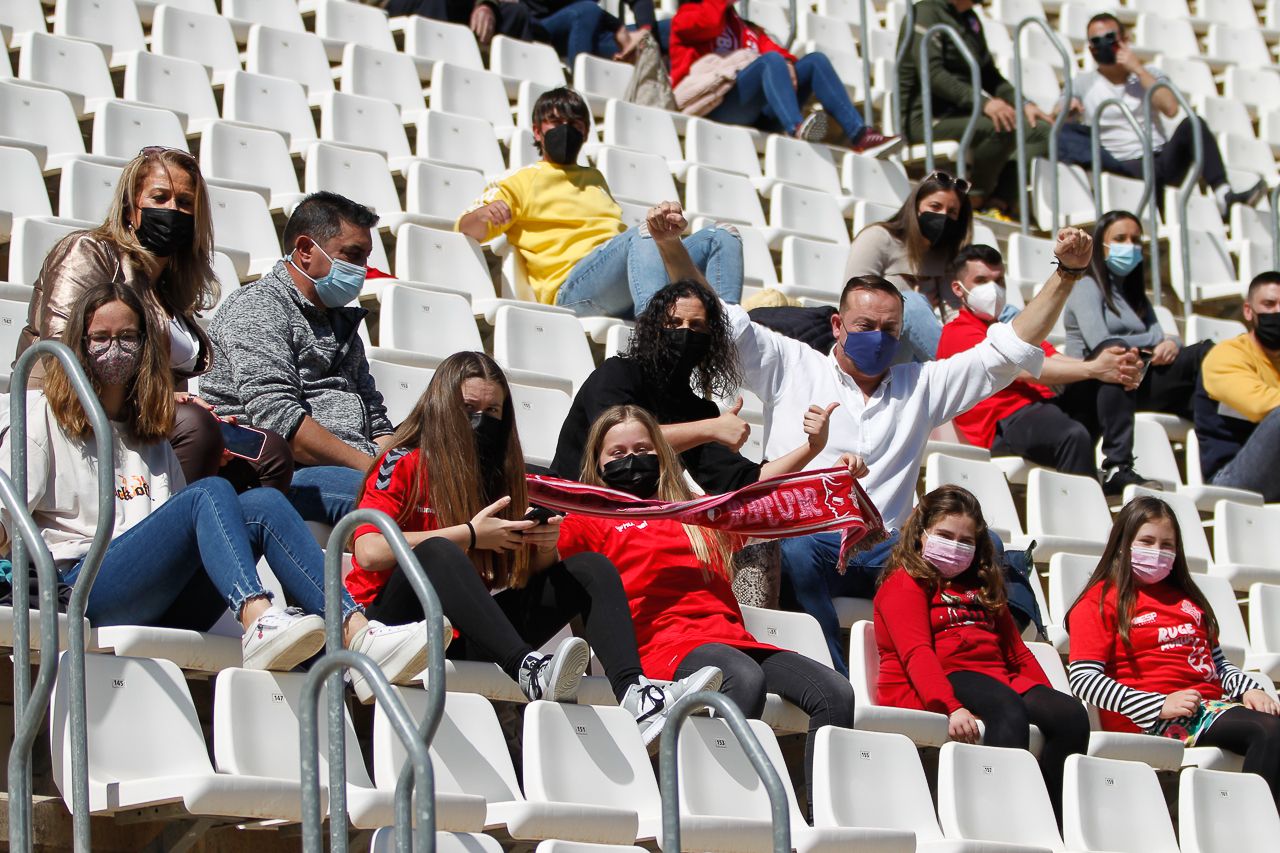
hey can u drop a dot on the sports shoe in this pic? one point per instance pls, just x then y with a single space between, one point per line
815 127
1230 198
651 704
1113 483
555 677
874 143
400 651
281 639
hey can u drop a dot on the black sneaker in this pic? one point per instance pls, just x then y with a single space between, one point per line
1250 197
1113 483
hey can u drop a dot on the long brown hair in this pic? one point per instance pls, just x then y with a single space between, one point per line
711 547
904 225
188 284
149 402
440 430
941 502
1115 569
1132 288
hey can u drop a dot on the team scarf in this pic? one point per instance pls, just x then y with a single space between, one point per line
776 508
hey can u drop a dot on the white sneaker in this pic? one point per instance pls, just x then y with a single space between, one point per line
651 704
282 639
555 677
400 651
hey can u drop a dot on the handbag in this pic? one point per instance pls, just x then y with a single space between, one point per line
709 79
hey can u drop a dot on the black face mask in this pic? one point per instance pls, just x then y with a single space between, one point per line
164 231
562 144
939 228
1267 329
491 438
690 347
636 474
1103 48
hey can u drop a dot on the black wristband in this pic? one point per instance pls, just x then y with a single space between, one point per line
1075 271
472 530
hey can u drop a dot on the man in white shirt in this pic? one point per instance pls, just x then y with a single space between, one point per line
1122 75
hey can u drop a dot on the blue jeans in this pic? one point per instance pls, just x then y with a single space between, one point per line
206 539
763 92
1254 466
619 278
324 493
581 27
921 329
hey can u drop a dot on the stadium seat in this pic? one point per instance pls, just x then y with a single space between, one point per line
446 258
813 214
618 340
180 85
1202 328
113 23
13 319
459 141
644 129
86 190
146 747
758 269
870 212
1226 116
591 755
925 728
600 80
726 147
724 197
429 322
1194 477
31 240
550 347
121 129
1028 262
1240 45
1233 637
1114 805
1223 812
384 841
1170 36
256 157
22 193
988 484
1075 195
243 229
636 180
724 805
369 123
874 179
297 56
1252 156
797 632
429 42
23 17
1066 513
276 103
383 74
1264 617
440 194
400 384
813 268
278 14
804 164
206 39
994 794
36 114
345 22
74 66
540 412
479 94
1244 544
1254 86
358 174
824 32
518 60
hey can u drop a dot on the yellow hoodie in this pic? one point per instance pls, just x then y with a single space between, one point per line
1240 374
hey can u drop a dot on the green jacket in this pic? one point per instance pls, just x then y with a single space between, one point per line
948 71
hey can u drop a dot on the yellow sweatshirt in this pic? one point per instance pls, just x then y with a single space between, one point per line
1240 374
559 214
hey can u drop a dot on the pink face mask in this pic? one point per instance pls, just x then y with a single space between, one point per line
1151 565
948 556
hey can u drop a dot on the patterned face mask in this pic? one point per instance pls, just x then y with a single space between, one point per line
114 361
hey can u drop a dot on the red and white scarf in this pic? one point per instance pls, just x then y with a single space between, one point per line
776 508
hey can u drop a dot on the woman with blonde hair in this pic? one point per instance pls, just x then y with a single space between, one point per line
157 240
678 577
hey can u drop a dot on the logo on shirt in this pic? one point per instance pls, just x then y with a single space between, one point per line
132 487
630 525
1192 611
1144 618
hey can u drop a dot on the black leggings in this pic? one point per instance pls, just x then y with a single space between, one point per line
818 690
1062 720
1254 735
506 627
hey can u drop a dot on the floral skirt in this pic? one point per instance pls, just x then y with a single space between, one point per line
1189 729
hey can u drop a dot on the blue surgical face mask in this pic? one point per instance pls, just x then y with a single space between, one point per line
340 285
1123 258
871 352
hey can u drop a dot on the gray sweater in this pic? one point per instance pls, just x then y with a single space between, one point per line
277 358
1089 321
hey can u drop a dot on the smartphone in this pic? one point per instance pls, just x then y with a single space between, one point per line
245 442
541 514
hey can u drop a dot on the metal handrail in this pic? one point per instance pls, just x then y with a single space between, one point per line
1184 191
29 714
105 446
1019 103
669 776
926 93
869 110
1275 228
434 613
329 667
1095 142
906 35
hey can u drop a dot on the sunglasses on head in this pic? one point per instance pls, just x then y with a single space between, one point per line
153 150
950 182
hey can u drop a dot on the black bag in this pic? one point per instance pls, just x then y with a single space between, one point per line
62 595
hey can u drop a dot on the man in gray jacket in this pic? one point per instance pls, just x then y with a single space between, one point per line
288 357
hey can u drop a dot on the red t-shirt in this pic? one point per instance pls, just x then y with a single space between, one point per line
388 488
978 425
922 639
713 27
676 604
1169 647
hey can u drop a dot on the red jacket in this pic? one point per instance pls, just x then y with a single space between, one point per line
711 26
921 639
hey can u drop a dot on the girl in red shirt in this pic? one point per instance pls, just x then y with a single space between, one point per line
949 644
677 578
1144 648
453 478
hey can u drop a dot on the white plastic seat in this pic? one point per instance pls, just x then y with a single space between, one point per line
804 164
86 189
23 17
441 193
399 383
868 212
600 79
75 66
384 841
1121 193
635 178
988 484
31 240
724 806
1028 262
1225 812
479 94
1171 36
122 129
797 632
206 39
459 141
1244 544
429 41
1226 116
445 258
1190 74
807 213
36 114
113 23
644 129
1114 805
369 123
383 74
280 14
176 84
1264 617
252 156
1202 328
540 412
1075 196
1250 154
1242 45
1254 86
995 794
429 322
22 193
1066 513
357 174
1232 635
524 60
722 196
925 728
242 224
866 177
551 347
13 319
813 268
146 748
346 22
297 56
1195 477
726 147
276 103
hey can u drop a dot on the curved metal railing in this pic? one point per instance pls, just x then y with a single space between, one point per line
926 94
1275 228
1058 121
1184 192
906 35
1095 142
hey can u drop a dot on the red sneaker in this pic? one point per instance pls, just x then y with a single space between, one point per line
872 141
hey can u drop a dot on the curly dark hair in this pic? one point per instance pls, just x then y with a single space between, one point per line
720 373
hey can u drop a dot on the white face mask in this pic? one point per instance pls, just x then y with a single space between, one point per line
985 300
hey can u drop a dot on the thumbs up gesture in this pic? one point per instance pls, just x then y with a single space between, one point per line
817 423
731 430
